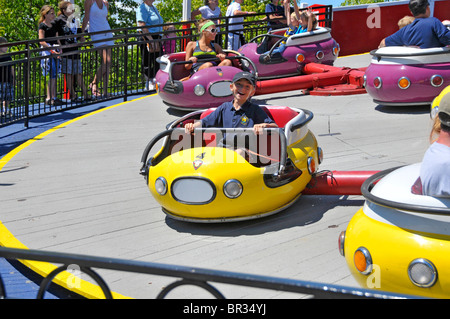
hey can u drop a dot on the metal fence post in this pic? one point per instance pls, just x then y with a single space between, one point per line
27 86
125 68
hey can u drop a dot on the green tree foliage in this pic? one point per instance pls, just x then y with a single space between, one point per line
19 18
172 10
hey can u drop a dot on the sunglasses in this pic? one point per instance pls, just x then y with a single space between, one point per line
212 30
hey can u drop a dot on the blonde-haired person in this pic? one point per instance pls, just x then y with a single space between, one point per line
96 15
298 22
205 48
403 22
50 66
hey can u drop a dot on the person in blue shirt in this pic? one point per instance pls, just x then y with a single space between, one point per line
435 167
275 15
148 17
424 31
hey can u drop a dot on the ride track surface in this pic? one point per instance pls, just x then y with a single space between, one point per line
78 189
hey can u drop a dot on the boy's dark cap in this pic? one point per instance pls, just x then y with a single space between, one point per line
245 75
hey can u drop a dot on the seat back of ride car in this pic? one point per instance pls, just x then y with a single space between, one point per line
316 35
280 114
178 70
209 138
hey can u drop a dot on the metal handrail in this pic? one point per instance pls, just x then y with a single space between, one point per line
190 275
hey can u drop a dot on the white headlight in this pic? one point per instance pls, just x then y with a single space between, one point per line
161 186
232 188
199 90
422 273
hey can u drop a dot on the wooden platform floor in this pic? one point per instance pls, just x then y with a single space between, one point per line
78 190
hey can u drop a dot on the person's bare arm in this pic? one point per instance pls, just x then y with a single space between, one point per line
87 11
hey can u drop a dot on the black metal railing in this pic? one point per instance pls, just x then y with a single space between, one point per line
126 77
184 276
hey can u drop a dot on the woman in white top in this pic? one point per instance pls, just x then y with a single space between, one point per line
210 11
96 15
235 32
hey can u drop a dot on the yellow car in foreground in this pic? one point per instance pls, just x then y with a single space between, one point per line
399 241
195 178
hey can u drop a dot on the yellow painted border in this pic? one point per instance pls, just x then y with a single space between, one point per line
7 239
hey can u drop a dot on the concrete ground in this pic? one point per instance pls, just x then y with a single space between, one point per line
78 190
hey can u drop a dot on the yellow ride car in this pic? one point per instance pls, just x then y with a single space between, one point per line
194 178
399 241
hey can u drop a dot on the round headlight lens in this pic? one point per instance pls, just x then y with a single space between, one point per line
422 273
300 58
320 55
199 90
437 80
363 261
232 188
161 186
311 164
320 155
404 83
377 82
341 243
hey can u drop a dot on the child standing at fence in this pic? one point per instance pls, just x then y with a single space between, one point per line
6 79
169 45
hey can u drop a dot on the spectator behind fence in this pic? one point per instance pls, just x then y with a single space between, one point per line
169 45
211 11
147 17
6 79
275 15
236 32
95 20
68 23
51 65
425 31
